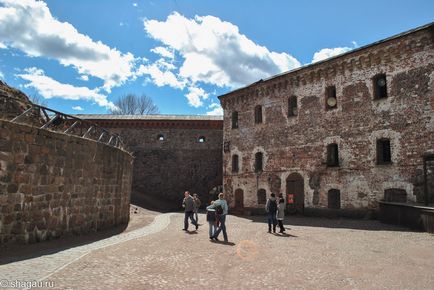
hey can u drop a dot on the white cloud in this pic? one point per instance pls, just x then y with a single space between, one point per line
28 25
215 52
3 46
329 52
195 96
77 108
84 78
2 76
161 75
135 4
163 51
50 88
217 110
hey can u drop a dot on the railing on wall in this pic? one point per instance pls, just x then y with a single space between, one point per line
46 118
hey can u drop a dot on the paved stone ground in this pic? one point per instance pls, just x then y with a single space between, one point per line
316 254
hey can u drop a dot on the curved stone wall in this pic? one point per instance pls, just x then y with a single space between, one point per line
53 184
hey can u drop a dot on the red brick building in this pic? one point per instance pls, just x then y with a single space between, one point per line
340 134
171 154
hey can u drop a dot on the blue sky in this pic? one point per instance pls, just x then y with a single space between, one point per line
82 55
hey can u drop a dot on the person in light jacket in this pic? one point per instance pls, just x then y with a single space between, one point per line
221 208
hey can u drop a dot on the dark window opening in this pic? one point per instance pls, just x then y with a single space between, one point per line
258 161
234 120
226 146
395 195
201 139
332 155
258 114
380 86
292 106
235 166
334 199
262 196
384 155
331 101
161 137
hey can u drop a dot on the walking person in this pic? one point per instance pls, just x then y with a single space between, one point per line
271 209
281 214
221 208
188 205
211 219
197 204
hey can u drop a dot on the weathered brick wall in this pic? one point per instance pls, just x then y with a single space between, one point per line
163 170
53 184
298 144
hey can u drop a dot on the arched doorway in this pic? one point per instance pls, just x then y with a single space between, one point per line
239 200
295 193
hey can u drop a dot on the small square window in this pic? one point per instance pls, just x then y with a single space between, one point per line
201 139
161 137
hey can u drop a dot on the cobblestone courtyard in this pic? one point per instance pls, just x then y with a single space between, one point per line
315 254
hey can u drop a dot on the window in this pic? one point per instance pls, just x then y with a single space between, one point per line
258 114
201 139
332 155
258 161
161 137
384 151
380 86
262 196
234 120
292 106
331 101
235 166
334 199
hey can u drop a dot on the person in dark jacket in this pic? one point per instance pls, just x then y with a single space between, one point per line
188 205
212 221
271 209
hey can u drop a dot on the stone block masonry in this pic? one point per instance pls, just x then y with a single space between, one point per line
53 184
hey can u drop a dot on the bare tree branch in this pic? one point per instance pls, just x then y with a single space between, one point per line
131 104
38 100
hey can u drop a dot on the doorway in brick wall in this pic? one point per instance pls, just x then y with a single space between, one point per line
295 193
239 201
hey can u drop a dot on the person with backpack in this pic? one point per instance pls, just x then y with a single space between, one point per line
211 219
281 214
221 208
188 205
271 209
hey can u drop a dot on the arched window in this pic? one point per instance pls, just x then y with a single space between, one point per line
258 161
292 106
262 196
258 114
161 137
332 155
235 165
234 120
380 86
334 199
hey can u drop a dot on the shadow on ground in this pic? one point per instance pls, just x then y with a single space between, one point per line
10 253
321 222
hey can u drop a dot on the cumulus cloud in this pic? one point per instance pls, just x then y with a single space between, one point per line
2 76
215 52
50 88
3 46
161 75
217 110
195 96
28 25
329 52
77 108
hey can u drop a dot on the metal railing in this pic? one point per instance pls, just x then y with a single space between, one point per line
49 119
